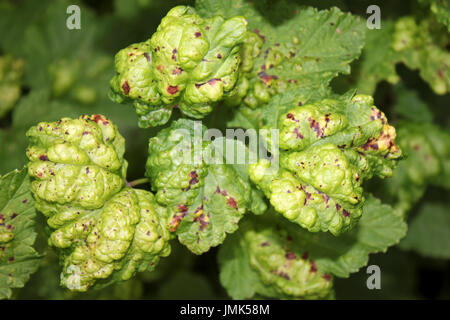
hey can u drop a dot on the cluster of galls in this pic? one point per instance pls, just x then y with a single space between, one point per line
106 231
189 63
327 149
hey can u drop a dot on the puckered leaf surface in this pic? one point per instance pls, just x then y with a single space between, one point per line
306 51
326 149
106 231
380 227
205 195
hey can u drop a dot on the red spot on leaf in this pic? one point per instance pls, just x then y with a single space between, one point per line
298 134
172 90
313 266
232 203
327 277
126 87
263 38
99 118
213 81
177 70
267 78
290 255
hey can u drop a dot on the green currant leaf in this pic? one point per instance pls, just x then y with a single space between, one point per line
426 146
327 148
18 258
106 231
274 258
306 51
441 9
188 63
422 45
11 71
429 232
378 60
205 194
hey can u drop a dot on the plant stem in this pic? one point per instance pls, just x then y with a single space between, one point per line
137 182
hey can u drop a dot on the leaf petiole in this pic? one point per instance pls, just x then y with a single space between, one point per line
137 182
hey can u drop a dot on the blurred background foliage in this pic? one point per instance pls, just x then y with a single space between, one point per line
48 72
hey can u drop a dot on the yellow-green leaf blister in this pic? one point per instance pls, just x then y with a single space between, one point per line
189 63
106 231
327 149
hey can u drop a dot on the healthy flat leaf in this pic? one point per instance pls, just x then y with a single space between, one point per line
236 274
18 258
429 232
410 106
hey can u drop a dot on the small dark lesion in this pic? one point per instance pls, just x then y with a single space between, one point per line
126 88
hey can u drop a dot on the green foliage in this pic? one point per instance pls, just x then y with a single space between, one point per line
18 258
298 207
327 149
378 59
205 197
106 230
11 71
421 46
320 254
188 63
441 9
429 232
426 146
306 51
